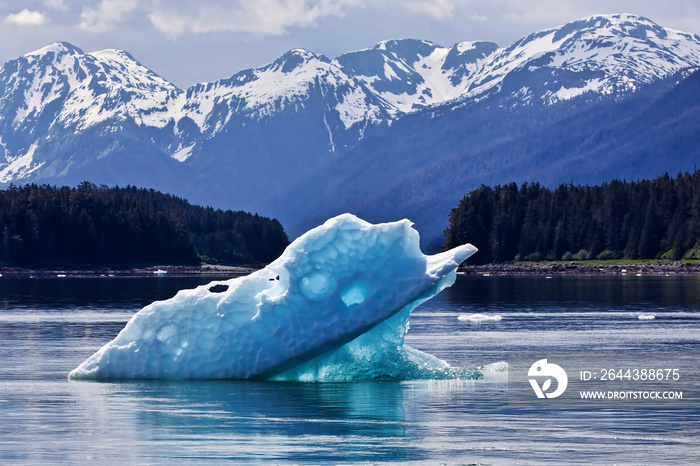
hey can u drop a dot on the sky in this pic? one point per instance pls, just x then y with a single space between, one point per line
192 41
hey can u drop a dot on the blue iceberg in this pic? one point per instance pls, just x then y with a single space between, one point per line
334 307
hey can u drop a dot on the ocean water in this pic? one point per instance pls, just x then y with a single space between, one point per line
49 325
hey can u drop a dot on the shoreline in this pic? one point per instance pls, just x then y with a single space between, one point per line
156 270
504 269
574 268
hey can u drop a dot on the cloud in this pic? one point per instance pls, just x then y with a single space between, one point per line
107 15
59 5
27 18
277 17
439 9
267 17
548 11
175 18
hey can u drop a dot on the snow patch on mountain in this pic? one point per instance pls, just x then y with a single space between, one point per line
411 74
183 154
19 167
564 93
353 108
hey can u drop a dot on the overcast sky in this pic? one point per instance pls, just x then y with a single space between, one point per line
190 41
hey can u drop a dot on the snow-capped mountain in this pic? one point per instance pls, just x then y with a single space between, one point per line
260 93
299 82
342 97
60 91
79 90
600 55
241 142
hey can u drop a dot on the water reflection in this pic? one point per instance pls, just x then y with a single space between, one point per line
265 420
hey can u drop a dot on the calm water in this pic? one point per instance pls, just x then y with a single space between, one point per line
49 325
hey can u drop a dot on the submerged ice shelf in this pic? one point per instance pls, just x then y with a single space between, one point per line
334 307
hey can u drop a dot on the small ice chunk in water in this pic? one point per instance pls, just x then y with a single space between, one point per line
501 366
479 318
334 306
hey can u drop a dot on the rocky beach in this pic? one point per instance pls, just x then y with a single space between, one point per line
582 268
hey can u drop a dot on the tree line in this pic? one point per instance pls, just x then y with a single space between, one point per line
89 225
646 219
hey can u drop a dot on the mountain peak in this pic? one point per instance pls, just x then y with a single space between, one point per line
406 49
295 58
619 25
394 44
299 52
616 19
599 55
114 54
58 48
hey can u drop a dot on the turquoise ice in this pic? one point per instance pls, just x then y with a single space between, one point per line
334 307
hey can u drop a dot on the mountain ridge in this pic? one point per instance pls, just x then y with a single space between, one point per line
248 141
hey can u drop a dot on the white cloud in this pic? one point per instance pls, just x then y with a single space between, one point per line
276 17
268 17
438 9
548 11
107 15
446 10
59 5
174 18
26 18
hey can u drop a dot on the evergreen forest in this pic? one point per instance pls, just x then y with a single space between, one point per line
89 225
646 219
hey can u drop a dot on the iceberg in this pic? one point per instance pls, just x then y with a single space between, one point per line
333 307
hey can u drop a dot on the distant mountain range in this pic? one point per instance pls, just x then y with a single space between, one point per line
403 129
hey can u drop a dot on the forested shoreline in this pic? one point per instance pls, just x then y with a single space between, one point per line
646 219
89 225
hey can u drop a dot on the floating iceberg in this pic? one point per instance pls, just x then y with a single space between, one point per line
334 306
